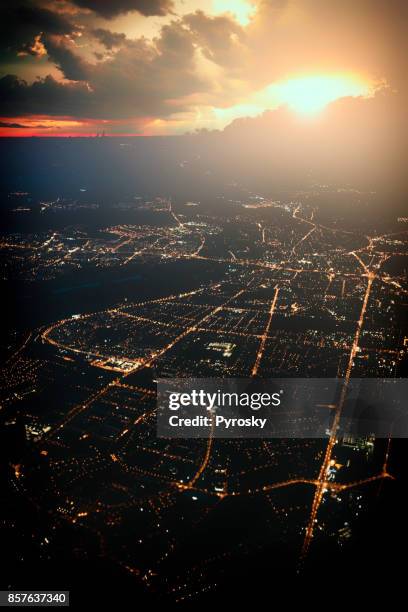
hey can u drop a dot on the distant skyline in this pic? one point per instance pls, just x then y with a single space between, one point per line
159 67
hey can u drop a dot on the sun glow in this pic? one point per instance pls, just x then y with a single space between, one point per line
241 9
305 95
309 95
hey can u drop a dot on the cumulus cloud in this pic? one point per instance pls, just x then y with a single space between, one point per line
43 97
221 38
23 21
139 78
113 8
61 51
109 39
144 78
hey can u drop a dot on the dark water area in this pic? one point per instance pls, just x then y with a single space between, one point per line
95 284
30 304
396 265
92 221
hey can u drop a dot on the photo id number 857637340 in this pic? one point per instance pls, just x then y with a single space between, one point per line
34 598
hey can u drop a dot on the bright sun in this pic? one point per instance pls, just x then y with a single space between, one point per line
306 95
241 9
310 94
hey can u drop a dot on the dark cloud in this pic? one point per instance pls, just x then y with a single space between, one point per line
61 52
22 21
21 126
109 39
43 97
142 79
220 38
175 45
5 124
148 78
113 8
